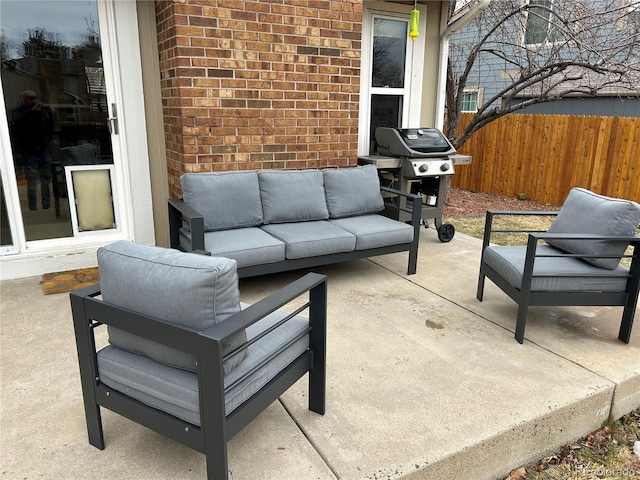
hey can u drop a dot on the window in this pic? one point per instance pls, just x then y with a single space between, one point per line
470 101
629 15
541 25
634 12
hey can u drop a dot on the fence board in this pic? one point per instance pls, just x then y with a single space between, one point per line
545 156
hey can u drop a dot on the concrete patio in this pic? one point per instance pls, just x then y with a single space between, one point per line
424 382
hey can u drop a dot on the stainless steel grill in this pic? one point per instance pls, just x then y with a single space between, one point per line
416 160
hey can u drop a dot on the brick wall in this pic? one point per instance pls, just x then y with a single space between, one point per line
259 84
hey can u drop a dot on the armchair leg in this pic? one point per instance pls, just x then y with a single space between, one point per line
217 468
627 321
480 291
521 321
318 344
94 426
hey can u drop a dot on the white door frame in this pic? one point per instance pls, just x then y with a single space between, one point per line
120 47
412 107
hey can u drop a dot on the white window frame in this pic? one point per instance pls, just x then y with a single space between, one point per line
478 91
412 91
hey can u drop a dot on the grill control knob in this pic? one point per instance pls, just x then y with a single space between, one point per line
423 168
444 167
420 131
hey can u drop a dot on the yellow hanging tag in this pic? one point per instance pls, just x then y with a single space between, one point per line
413 24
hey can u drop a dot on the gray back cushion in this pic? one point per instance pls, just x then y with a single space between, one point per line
225 199
352 191
292 196
586 212
195 291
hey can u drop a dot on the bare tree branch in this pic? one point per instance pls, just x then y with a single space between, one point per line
542 52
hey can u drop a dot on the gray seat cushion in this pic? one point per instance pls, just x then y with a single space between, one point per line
373 231
175 391
225 199
586 212
352 191
292 196
186 289
247 246
311 239
508 262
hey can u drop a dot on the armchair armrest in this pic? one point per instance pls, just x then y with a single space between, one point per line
312 282
491 214
181 214
533 241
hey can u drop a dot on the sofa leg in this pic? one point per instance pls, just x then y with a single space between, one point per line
520 322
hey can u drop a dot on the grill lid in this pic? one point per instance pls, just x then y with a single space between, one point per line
413 142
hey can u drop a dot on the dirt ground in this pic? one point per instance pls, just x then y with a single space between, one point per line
463 203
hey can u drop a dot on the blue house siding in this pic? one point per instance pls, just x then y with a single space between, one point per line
598 106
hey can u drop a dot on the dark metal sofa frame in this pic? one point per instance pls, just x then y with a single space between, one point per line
525 298
216 428
181 214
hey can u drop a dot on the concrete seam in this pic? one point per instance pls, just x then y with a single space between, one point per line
311 442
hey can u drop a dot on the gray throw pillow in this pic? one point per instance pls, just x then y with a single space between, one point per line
196 291
352 191
225 199
292 196
589 213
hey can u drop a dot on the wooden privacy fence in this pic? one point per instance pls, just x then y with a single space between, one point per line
544 156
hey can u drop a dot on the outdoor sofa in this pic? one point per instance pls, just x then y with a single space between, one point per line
276 220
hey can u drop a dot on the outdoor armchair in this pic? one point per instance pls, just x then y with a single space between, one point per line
576 262
184 357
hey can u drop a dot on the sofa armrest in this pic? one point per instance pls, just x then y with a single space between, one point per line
412 204
182 215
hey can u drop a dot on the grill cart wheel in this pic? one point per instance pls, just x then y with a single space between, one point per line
446 232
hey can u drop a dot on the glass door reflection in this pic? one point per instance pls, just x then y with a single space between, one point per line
54 91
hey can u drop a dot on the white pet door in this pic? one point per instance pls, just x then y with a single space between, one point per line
92 198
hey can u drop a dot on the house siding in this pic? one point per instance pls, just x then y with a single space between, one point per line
258 85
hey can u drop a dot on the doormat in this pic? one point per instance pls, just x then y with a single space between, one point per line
61 282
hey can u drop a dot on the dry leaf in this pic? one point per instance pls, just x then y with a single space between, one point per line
518 474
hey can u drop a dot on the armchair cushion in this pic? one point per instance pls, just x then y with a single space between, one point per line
352 191
191 290
225 200
176 391
292 196
586 212
559 273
